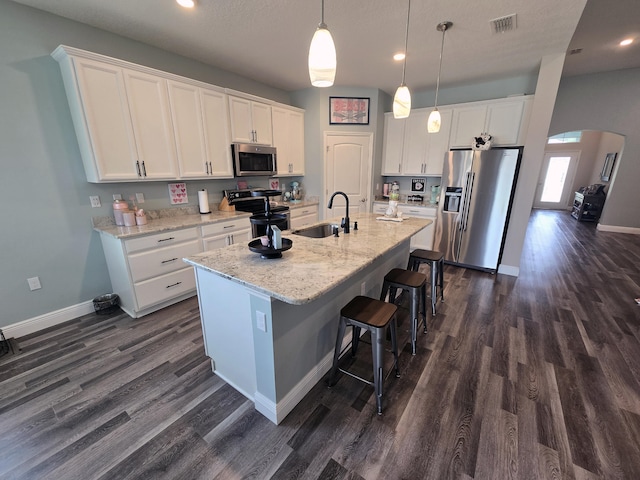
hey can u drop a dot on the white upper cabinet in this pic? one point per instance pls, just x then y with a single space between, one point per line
121 117
135 123
506 120
250 121
152 129
101 118
409 149
201 130
288 138
438 145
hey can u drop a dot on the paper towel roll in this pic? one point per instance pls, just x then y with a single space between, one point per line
203 201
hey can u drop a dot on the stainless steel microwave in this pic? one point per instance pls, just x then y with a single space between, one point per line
249 160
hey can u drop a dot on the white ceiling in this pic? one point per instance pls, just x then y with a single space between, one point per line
268 40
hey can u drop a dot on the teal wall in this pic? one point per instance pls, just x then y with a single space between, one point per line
609 102
46 212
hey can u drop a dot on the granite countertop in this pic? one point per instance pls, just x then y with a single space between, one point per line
176 218
313 266
167 223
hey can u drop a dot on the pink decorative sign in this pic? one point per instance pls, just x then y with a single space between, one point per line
348 110
178 193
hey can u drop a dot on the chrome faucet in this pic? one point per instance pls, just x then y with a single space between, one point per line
345 220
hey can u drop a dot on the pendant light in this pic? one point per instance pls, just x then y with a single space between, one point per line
322 56
433 124
402 98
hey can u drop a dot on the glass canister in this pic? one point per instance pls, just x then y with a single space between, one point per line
119 207
394 192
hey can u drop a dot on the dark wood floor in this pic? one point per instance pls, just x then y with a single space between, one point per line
525 378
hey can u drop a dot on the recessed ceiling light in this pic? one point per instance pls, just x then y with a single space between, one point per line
398 57
186 3
626 41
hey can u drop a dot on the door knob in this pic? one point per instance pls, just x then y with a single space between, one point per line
363 200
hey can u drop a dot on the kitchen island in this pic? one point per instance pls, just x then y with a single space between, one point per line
269 326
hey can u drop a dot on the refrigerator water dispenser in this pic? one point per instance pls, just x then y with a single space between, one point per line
452 196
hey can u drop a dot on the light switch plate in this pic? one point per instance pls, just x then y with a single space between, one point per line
140 197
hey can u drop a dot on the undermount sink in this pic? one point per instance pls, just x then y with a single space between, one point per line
317 231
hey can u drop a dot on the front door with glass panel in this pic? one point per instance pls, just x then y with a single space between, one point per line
556 179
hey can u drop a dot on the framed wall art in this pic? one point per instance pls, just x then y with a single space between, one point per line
348 110
607 168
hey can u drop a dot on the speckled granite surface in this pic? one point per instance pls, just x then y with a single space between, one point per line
179 219
175 218
313 266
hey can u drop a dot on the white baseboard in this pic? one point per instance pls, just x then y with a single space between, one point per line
277 411
508 270
31 325
615 229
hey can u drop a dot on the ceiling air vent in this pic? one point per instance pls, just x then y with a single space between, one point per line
503 24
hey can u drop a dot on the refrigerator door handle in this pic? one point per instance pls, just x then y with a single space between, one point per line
467 200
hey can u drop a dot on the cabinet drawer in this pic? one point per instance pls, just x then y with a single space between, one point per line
302 211
165 287
417 211
380 208
225 226
159 261
161 239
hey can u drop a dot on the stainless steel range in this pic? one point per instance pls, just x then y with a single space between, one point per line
252 200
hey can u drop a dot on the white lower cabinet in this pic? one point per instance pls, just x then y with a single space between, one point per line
301 216
422 239
226 233
148 273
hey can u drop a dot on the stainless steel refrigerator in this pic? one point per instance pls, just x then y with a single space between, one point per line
475 201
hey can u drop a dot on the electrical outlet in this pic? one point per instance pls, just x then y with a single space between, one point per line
117 196
261 321
34 283
140 197
95 201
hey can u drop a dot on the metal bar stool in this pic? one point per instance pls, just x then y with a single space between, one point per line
436 271
374 316
415 284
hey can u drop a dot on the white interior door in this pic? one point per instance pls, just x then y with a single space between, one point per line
556 178
348 163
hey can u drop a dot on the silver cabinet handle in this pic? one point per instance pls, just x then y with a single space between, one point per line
206 166
169 261
166 239
144 169
229 226
173 285
210 169
138 168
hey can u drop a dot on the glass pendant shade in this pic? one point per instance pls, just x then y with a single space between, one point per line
433 124
402 102
322 58
434 121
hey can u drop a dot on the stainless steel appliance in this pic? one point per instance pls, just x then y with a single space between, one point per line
250 160
475 202
252 200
